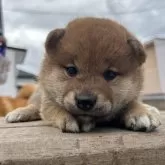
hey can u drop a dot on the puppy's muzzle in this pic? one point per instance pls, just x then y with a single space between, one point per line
85 102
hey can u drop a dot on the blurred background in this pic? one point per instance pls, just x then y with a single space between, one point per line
25 25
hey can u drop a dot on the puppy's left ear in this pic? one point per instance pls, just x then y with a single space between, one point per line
53 40
138 50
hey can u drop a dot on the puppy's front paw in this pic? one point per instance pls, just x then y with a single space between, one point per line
16 116
147 121
87 127
68 124
86 123
28 113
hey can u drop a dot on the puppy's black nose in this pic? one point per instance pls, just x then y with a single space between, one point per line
85 101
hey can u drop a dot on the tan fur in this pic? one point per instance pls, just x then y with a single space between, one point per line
93 45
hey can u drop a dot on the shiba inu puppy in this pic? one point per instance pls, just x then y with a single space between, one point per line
92 73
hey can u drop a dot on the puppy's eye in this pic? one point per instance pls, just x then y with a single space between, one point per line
71 71
110 75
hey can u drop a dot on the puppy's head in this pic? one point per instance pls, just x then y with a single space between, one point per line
92 67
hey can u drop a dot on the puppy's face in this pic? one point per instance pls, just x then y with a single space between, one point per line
93 67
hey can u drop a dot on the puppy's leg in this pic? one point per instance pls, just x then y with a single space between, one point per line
141 117
28 113
60 117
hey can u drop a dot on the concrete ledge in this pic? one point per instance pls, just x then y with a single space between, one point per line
36 143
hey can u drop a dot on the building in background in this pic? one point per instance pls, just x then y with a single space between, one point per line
154 72
16 78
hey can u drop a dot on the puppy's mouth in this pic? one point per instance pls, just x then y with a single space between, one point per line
95 112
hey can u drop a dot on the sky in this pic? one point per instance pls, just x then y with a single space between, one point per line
27 23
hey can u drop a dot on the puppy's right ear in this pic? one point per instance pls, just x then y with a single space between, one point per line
53 39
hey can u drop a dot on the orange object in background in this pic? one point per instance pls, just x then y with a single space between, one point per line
8 104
